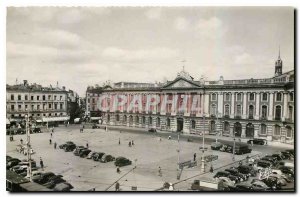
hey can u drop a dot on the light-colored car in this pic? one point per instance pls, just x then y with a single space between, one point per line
226 181
90 155
281 180
284 176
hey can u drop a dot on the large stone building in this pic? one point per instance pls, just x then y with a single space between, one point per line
249 108
44 104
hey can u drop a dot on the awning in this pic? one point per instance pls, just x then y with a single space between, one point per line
95 118
53 119
7 121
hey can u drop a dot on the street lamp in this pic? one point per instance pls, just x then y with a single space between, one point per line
217 132
203 138
29 173
233 150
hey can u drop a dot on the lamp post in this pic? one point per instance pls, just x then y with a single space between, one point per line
233 150
29 173
217 132
203 139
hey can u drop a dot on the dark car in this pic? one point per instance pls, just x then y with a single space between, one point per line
286 154
264 164
122 161
242 187
272 182
12 163
8 158
107 158
235 172
278 157
222 174
97 156
44 178
37 130
291 151
12 159
216 145
25 162
270 159
69 147
153 130
77 151
53 181
62 146
247 170
84 153
95 126
287 170
257 141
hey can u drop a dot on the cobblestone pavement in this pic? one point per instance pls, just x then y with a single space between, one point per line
149 153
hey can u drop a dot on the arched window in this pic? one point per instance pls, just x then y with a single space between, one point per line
291 97
227 97
278 112
263 129
251 111
125 119
168 122
150 120
238 110
144 120
239 97
193 124
251 97
264 111
264 97
291 112
226 110
214 97
158 122
277 130
137 119
213 109
226 127
288 132
117 118
212 126
278 96
108 118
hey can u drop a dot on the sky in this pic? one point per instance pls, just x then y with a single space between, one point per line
84 46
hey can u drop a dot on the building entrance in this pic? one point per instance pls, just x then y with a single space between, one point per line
179 124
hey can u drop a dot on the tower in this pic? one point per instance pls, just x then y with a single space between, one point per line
278 65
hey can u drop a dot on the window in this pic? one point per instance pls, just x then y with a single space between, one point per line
38 98
88 100
12 97
291 97
44 114
49 106
214 97
55 97
168 122
150 120
55 114
143 120
19 107
93 100
212 126
50 114
239 97
278 96
26 97
213 110
251 111
278 112
227 97
291 112
32 107
32 98
227 110
251 97
193 124
277 130
265 97
60 106
12 107
264 111
226 127
117 118
238 110
19 97
25 107
263 129
60 97
288 132
61 114
55 106
38 107
49 97
38 115
44 97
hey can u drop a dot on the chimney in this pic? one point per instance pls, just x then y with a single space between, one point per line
64 87
25 82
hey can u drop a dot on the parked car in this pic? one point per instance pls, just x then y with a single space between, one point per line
8 158
278 157
247 170
216 145
91 154
280 180
122 161
287 170
261 164
257 141
271 159
44 178
259 185
242 187
286 163
288 178
286 154
95 126
12 163
153 130
234 172
62 146
97 156
239 147
63 187
272 183
291 151
226 181
79 150
84 152
69 147
25 162
53 181
37 130
107 158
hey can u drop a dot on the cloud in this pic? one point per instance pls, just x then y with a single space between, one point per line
142 54
181 24
211 27
153 13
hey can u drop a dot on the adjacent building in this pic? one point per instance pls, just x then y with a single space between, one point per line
43 104
248 108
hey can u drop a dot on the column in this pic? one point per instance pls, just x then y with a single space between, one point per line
220 104
243 134
206 105
173 108
232 105
201 105
231 129
163 104
270 117
285 106
256 129
244 105
256 117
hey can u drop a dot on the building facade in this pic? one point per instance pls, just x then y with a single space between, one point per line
249 108
43 104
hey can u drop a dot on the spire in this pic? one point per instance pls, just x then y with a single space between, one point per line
279 53
183 61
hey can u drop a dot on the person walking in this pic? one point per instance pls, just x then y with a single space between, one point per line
87 145
50 141
51 135
132 143
41 163
129 144
21 140
55 145
195 156
159 171
119 141
118 170
117 186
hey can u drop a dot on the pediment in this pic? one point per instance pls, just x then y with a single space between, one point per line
181 83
